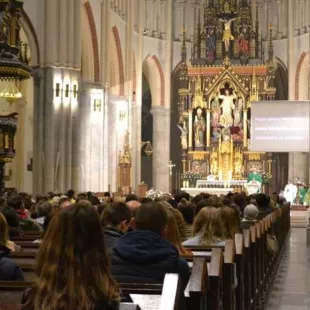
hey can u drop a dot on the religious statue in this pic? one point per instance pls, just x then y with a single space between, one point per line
214 167
216 111
238 166
238 112
226 133
184 133
290 192
216 132
227 107
200 128
243 44
4 25
211 43
227 35
226 7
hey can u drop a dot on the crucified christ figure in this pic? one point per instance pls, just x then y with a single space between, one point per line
227 36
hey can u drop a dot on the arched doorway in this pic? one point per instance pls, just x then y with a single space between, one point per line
146 132
175 141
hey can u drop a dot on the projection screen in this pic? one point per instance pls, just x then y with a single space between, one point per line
280 126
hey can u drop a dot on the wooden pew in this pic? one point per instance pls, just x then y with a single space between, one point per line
239 259
11 293
28 246
228 272
247 270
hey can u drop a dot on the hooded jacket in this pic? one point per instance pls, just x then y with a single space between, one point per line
144 256
9 271
111 236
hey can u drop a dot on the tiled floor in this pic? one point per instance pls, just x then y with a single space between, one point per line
291 289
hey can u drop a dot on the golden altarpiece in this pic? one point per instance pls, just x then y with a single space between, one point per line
225 74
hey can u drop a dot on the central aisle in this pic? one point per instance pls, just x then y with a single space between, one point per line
291 289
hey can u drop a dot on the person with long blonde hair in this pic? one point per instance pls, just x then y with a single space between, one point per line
72 266
173 233
208 228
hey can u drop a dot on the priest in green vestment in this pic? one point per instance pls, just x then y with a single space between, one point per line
254 176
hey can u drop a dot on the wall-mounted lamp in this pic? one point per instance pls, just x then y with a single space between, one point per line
97 105
74 91
57 90
67 91
122 115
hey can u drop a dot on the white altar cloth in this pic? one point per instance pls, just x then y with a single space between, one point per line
211 191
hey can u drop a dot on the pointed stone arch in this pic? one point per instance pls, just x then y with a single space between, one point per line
120 60
94 39
302 70
153 71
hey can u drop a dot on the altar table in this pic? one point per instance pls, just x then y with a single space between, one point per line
212 191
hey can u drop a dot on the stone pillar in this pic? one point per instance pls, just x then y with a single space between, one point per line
104 74
291 72
297 16
137 103
161 145
56 97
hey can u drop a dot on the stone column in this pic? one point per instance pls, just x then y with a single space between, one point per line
161 145
104 74
297 16
136 138
55 111
163 19
280 17
291 71
154 25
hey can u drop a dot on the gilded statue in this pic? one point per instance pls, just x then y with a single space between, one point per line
184 134
200 128
227 35
214 167
227 106
238 166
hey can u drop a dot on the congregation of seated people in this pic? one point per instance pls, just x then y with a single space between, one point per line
89 245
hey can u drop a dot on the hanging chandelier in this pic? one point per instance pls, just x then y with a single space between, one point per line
13 53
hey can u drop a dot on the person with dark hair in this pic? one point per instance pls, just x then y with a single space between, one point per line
9 271
72 265
263 203
12 220
70 195
200 205
2 202
131 197
94 200
231 221
184 195
145 200
115 219
144 255
240 200
187 210
63 202
101 207
44 210
25 223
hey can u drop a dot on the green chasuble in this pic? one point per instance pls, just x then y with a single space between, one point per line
302 193
255 177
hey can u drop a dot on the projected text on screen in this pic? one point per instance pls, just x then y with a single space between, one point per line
280 126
